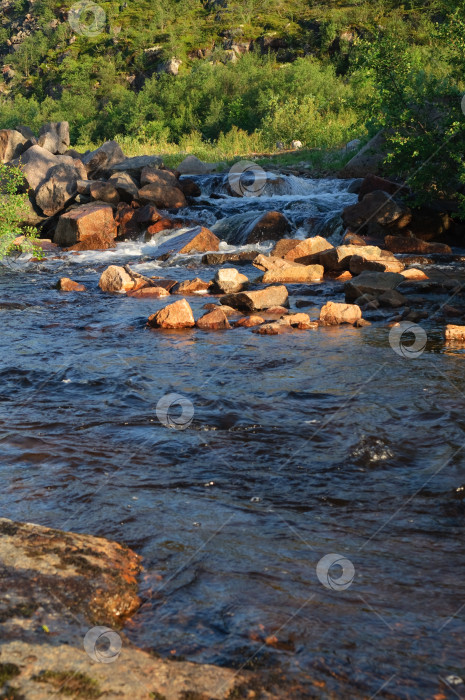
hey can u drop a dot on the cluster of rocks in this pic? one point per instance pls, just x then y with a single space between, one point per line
87 201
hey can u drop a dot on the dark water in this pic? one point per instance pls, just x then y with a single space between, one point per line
320 442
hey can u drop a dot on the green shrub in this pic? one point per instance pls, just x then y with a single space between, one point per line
13 208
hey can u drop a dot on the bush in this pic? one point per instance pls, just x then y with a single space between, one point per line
13 208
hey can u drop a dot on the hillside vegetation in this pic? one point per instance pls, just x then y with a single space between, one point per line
233 77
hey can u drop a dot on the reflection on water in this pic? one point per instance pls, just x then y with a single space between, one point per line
303 445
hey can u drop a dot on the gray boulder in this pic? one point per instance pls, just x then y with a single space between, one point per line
54 137
98 163
12 145
368 160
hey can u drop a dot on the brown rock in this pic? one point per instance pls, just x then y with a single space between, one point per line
163 196
214 320
300 321
90 227
104 192
267 227
163 225
276 311
127 226
198 239
339 276
275 328
189 188
256 301
414 275
177 315
146 215
392 299
149 292
65 284
229 280
385 263
338 259
294 275
228 310
164 282
249 321
332 314
283 246
374 283
309 247
195 286
361 323
373 183
155 176
410 244
117 279
455 332
125 185
351 238
272 263
221 258
377 208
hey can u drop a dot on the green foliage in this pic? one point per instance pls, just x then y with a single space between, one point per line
13 208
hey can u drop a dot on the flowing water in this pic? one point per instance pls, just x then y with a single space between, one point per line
300 446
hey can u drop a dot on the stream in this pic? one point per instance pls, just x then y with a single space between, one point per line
300 446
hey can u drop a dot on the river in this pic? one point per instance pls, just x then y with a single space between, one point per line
300 446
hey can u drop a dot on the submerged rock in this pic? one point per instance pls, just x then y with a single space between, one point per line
268 227
239 258
177 315
372 283
198 239
65 284
249 322
195 286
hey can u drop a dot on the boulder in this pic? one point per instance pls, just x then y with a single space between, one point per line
350 238
65 284
256 301
164 282
332 314
239 258
104 192
177 315
305 250
214 320
57 189
274 328
26 132
229 280
373 183
377 208
414 275
37 162
410 244
368 160
54 137
371 283
385 263
155 176
198 239
294 275
391 299
338 259
146 215
89 227
300 321
272 263
125 185
283 246
117 279
163 224
455 332
189 188
127 226
249 322
195 286
191 165
163 195
149 293
267 227
12 145
99 162
134 166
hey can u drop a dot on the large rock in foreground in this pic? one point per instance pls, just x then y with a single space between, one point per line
90 227
116 279
374 283
257 301
55 588
177 315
